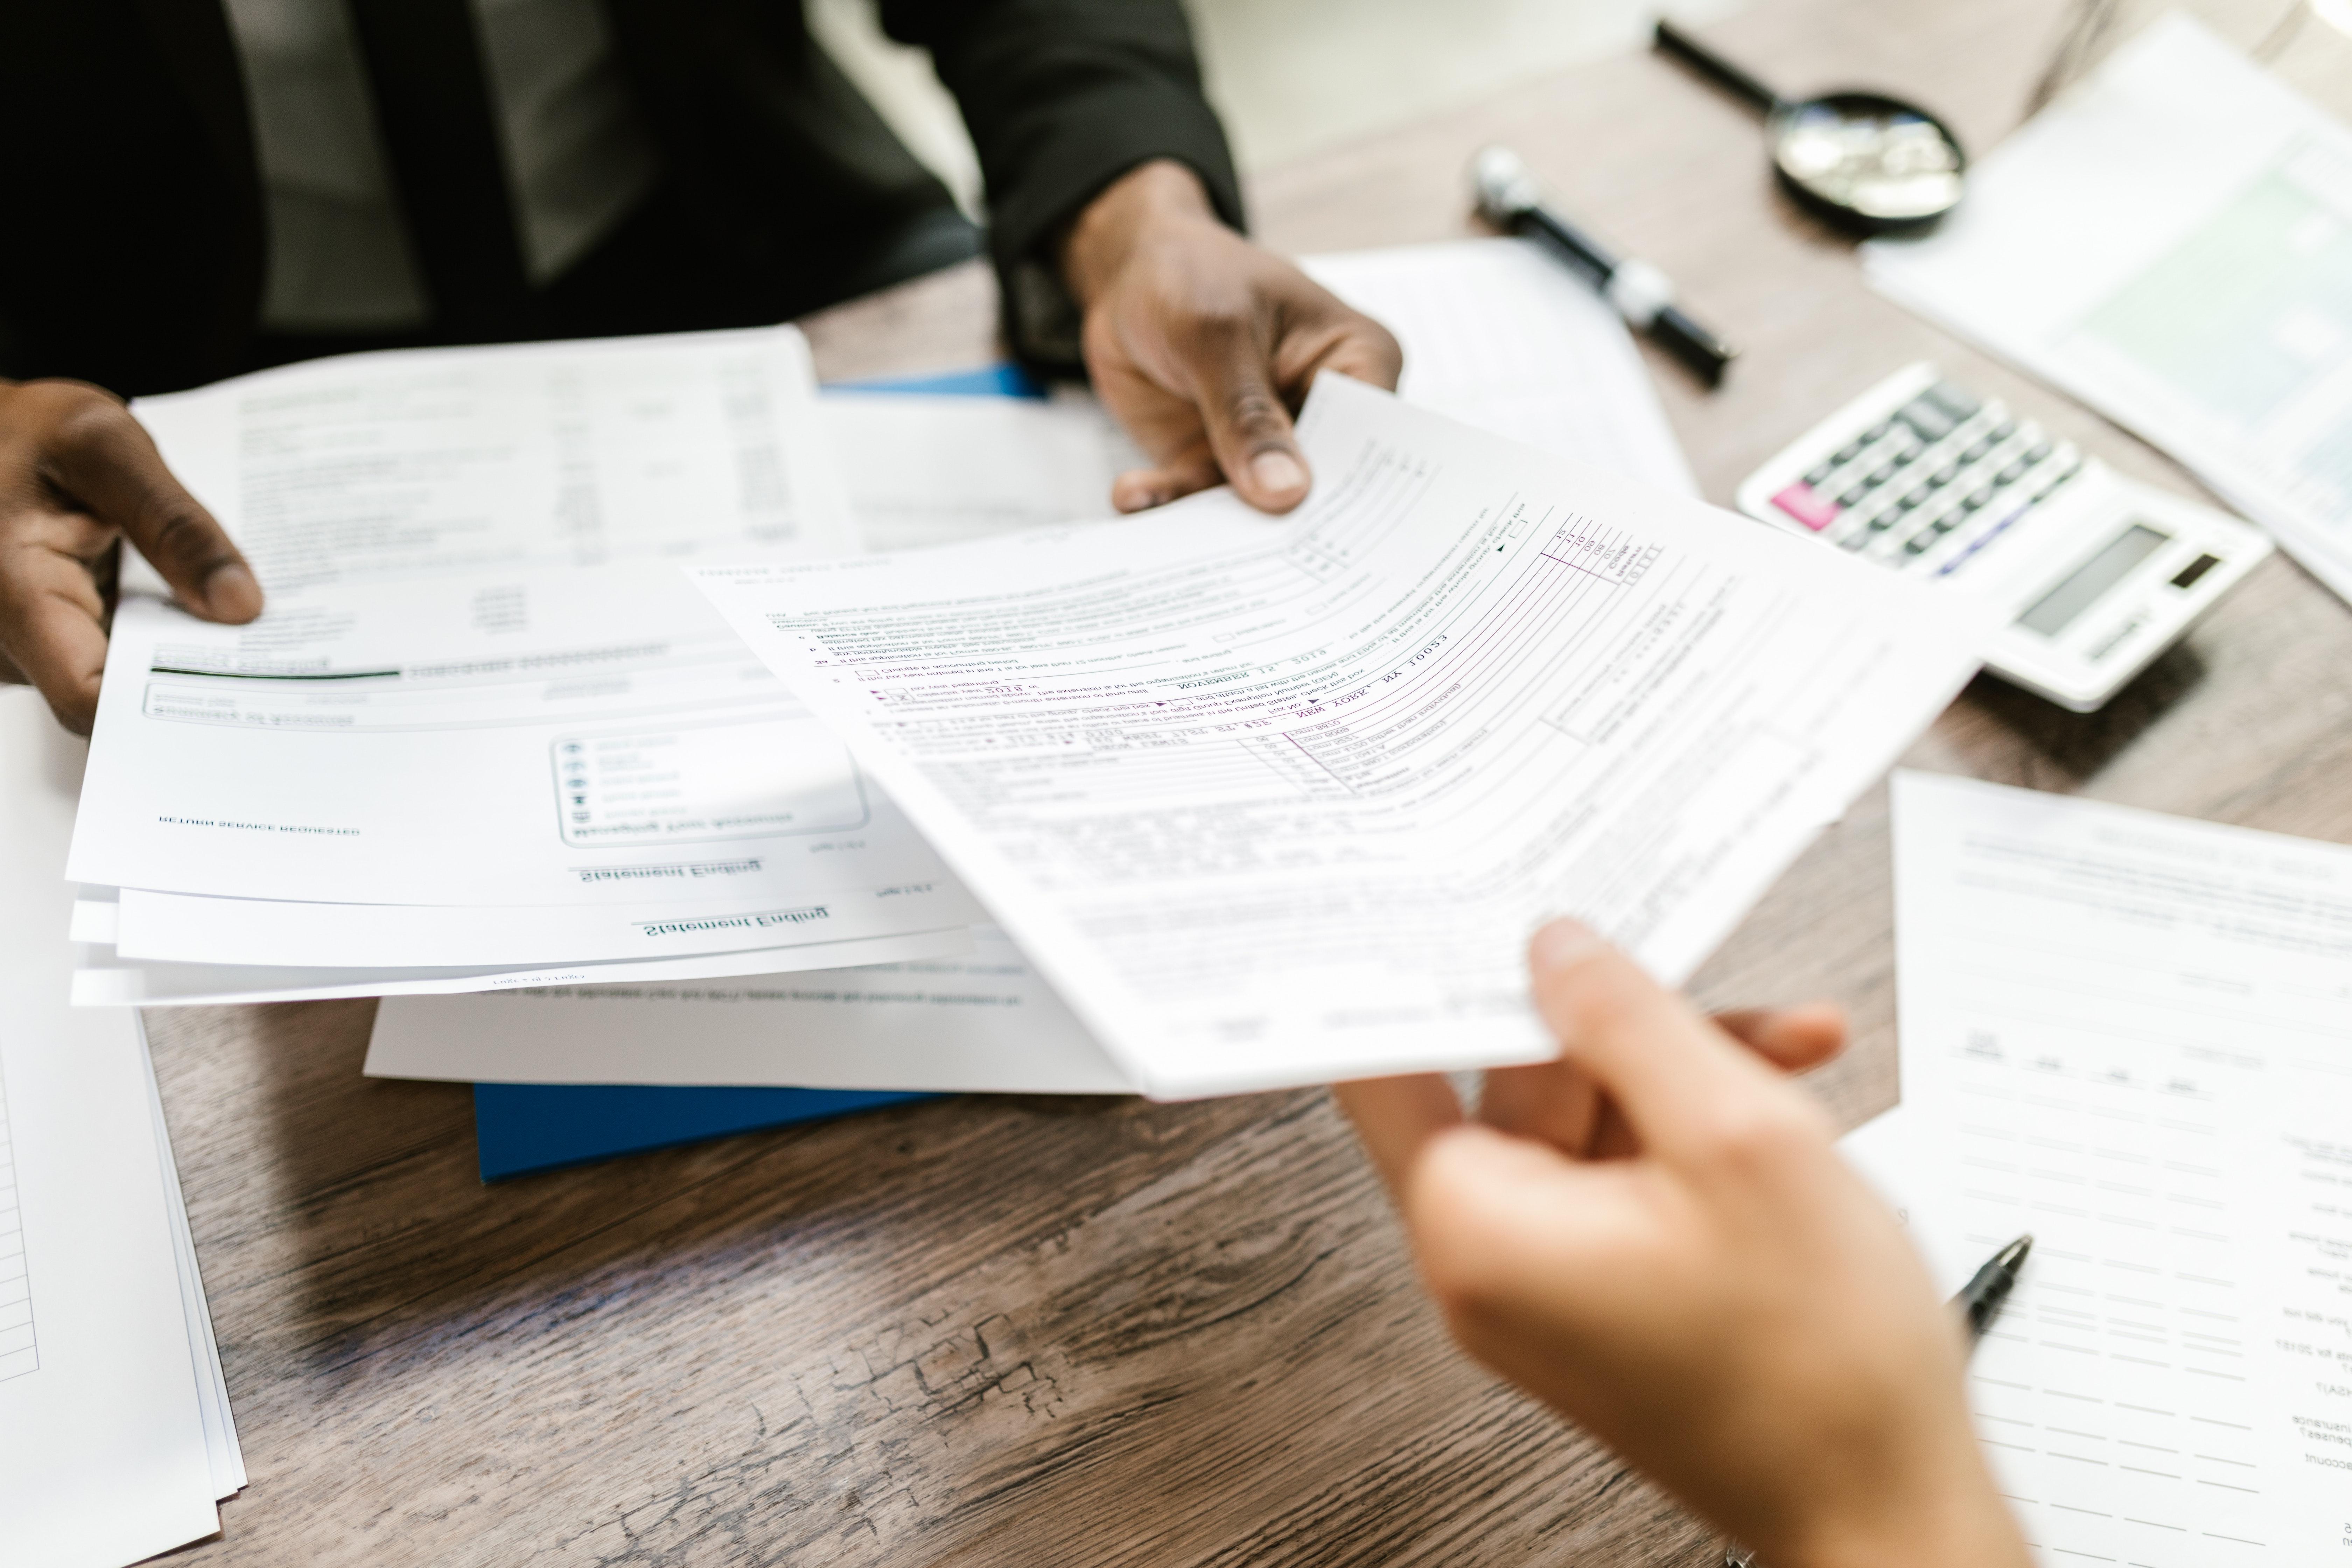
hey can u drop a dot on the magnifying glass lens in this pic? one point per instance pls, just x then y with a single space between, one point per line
1870 156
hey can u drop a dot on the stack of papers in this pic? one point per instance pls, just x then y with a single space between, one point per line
484 734
2131 1036
2172 243
115 1435
1495 334
1247 801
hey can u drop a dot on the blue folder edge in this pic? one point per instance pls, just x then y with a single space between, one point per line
1003 380
520 1128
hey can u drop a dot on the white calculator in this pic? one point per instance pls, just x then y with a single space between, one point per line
2099 575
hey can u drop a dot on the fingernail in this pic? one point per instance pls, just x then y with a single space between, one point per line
1563 942
1132 493
231 593
1277 472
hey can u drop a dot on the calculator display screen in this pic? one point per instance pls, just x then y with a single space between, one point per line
2056 610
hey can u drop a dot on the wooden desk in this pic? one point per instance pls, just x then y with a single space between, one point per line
1096 1333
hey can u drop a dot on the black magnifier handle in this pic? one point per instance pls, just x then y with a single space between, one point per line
1673 40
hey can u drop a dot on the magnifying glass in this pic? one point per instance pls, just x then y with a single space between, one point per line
1860 160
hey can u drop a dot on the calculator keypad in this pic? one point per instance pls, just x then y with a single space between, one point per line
1929 485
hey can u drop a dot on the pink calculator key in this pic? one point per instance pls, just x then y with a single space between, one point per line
1814 510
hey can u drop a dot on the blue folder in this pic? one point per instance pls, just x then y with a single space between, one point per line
1002 380
520 1128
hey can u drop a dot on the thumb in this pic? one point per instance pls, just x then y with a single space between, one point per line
1248 427
109 463
1676 1078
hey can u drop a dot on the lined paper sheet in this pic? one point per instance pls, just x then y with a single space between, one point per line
2131 1036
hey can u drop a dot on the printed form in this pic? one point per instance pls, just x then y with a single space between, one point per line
115 1438
1273 802
2131 1036
486 687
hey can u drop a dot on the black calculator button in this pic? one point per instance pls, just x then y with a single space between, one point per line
1923 415
2004 430
1881 474
1944 475
1847 453
1878 431
1817 473
1915 497
1920 546
1976 497
2014 472
1977 449
2038 450
1853 494
1954 401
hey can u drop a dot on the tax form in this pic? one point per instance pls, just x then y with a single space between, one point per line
2171 241
379 743
482 726
2131 1035
114 1432
1273 802
365 467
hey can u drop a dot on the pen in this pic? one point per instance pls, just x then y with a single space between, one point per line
1981 1301
1510 199
1982 1296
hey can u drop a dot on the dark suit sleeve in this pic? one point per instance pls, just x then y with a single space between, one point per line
1063 97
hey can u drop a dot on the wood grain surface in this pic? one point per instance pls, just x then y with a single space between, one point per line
1101 1331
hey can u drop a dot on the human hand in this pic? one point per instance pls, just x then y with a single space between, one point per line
1655 1236
1201 344
76 473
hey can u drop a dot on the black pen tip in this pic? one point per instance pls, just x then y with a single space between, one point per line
2012 1255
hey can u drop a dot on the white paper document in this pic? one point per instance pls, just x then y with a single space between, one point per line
114 1432
365 466
984 1022
2172 242
228 1459
1499 335
922 469
105 979
1274 801
2131 1036
179 928
624 778
492 739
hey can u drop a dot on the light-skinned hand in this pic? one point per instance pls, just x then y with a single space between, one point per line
1655 1236
77 475
1202 346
